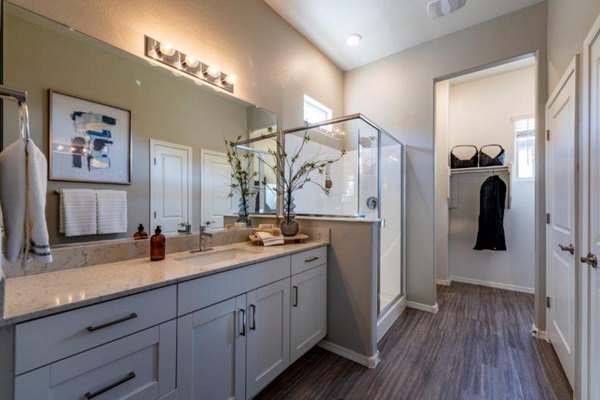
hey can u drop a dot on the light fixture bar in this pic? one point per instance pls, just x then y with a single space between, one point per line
188 64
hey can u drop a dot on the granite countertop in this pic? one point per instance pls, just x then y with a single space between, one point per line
40 295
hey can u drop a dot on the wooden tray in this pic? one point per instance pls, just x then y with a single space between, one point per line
299 238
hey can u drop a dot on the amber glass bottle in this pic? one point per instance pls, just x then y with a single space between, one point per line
157 245
140 234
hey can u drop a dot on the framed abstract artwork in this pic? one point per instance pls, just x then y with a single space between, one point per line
88 141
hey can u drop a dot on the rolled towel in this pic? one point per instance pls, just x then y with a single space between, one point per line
112 211
269 240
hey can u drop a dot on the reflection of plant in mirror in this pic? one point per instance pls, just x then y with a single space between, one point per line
242 177
293 172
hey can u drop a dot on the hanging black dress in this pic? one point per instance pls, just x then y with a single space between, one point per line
491 215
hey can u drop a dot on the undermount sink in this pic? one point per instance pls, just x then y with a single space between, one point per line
211 257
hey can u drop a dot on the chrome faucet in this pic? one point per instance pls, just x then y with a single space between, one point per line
203 236
187 229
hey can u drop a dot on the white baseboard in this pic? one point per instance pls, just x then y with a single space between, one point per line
497 285
444 282
536 333
367 361
423 307
387 319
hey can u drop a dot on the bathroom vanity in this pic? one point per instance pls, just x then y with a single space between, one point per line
222 324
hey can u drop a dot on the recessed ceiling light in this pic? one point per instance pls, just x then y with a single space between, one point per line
354 39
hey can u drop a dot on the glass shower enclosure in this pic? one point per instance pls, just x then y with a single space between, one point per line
367 183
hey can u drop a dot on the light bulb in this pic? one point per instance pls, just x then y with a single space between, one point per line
353 39
213 71
231 79
166 49
191 61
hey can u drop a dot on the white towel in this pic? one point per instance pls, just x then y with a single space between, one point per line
23 194
39 240
78 212
112 211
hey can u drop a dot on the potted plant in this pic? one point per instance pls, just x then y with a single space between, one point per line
242 178
293 172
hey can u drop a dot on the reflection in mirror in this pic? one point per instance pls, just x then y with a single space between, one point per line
179 175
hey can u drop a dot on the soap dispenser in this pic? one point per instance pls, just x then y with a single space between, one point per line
140 234
157 245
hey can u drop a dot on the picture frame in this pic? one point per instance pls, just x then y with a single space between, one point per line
88 141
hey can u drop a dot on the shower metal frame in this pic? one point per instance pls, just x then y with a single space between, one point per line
280 135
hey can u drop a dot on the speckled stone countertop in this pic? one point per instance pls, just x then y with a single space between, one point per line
40 295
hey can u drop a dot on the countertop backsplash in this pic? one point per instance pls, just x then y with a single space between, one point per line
86 255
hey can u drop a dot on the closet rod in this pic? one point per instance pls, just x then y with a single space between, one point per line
8 93
496 168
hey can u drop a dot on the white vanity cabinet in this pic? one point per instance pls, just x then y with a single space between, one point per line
309 310
140 366
268 346
236 347
211 355
221 336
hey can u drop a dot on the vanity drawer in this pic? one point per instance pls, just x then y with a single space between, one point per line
308 259
203 292
49 339
140 366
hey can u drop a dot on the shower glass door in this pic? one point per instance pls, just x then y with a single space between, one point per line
391 214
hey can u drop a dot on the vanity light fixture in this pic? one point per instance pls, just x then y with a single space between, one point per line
166 54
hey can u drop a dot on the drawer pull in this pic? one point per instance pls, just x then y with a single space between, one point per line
295 303
243 312
315 258
93 328
253 324
128 377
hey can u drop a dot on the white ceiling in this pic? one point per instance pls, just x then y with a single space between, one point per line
525 62
387 26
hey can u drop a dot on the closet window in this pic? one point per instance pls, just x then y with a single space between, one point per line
316 112
525 147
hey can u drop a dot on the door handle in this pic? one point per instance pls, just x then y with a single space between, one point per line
568 248
243 313
295 303
591 260
253 324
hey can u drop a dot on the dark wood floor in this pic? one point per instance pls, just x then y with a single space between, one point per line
478 346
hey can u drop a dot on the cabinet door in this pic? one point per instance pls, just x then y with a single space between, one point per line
309 310
137 367
268 351
211 353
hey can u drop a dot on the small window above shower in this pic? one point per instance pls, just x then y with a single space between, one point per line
315 111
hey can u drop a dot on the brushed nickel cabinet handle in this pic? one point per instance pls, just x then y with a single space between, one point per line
128 377
568 248
243 312
591 260
93 328
315 258
253 324
295 303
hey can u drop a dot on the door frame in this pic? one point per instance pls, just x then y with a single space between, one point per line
190 151
203 154
583 365
572 70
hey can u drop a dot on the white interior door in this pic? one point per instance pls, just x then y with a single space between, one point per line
561 112
171 185
590 347
215 188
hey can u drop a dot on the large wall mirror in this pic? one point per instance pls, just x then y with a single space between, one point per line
110 120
